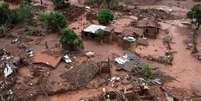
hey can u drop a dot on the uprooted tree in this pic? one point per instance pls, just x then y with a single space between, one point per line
70 40
195 15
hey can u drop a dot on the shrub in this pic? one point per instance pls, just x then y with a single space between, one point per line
13 16
195 15
54 20
147 71
22 13
105 16
70 40
5 14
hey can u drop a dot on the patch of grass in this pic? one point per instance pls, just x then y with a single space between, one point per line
147 72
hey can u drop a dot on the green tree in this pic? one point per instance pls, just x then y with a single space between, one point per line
195 15
105 16
54 20
70 40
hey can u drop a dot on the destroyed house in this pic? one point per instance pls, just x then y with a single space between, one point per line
98 32
132 31
150 26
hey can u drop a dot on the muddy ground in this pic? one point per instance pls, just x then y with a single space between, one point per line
184 71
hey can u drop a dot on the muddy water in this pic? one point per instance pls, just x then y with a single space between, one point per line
185 69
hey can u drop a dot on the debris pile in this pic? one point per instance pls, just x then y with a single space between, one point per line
129 62
156 13
7 72
166 59
138 90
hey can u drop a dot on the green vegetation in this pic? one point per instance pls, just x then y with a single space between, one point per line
105 16
147 71
9 16
195 15
54 20
21 13
70 40
5 13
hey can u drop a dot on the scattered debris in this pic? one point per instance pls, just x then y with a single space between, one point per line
156 82
7 71
90 54
29 52
67 59
130 39
197 55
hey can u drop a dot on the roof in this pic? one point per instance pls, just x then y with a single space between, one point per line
52 61
94 28
148 22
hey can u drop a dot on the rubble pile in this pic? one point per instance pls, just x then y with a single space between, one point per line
156 13
130 62
165 59
7 78
138 90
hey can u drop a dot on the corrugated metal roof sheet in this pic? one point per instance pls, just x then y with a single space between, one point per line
94 28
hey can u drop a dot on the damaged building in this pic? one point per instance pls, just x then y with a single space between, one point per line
150 26
98 32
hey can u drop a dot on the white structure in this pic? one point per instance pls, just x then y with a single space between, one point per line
94 28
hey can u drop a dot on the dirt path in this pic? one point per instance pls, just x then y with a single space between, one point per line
185 69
